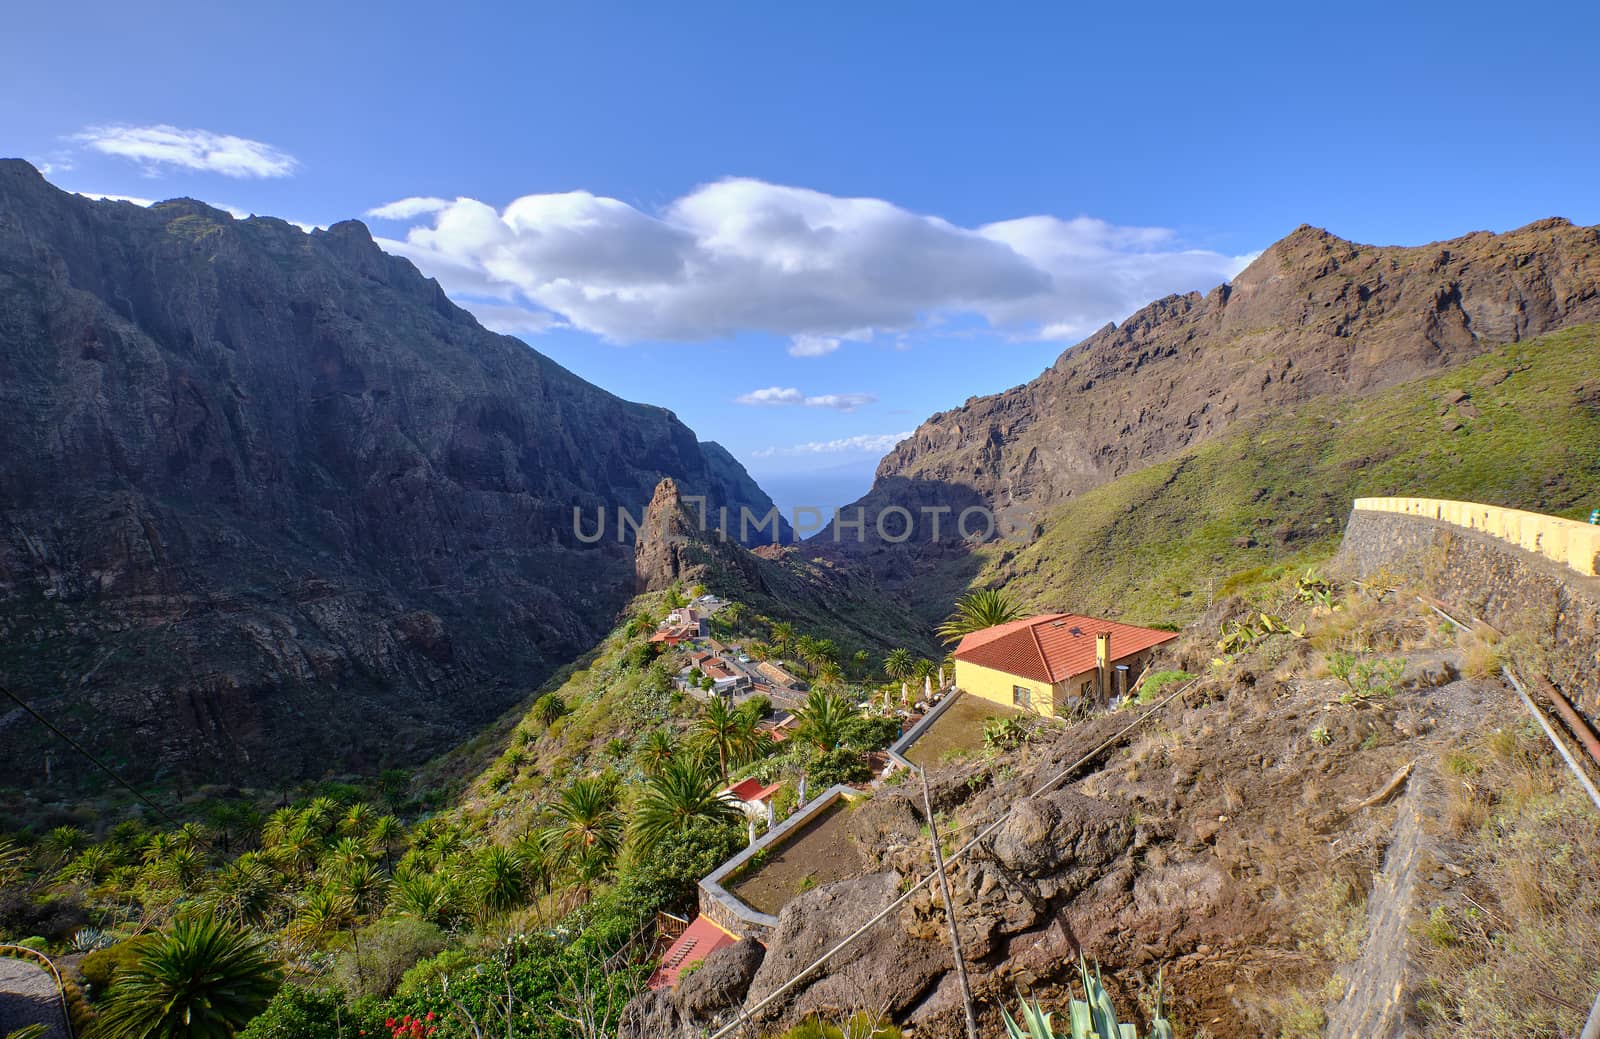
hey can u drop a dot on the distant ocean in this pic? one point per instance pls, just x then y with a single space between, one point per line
826 490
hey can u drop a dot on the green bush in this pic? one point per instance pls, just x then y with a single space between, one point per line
431 972
843 765
1156 681
382 952
99 967
869 733
302 1013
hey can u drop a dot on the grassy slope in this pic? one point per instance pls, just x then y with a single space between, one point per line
1151 544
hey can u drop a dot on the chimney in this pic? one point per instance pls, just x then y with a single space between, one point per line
1102 661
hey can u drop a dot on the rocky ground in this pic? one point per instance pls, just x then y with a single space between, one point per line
1269 843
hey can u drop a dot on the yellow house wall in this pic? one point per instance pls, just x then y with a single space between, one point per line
996 686
1565 541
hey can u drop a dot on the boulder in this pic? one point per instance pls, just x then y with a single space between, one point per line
649 1015
1060 833
886 967
720 982
887 827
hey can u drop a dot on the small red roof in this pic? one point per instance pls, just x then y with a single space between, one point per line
699 940
1054 646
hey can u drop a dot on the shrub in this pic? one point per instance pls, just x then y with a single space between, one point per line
297 1012
1156 681
838 766
382 952
431 972
99 967
865 732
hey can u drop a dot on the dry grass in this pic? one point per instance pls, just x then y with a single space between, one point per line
1514 949
1482 652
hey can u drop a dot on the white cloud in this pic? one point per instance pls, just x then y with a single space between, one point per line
408 208
787 395
865 443
237 212
510 318
773 395
162 145
813 346
135 199
743 255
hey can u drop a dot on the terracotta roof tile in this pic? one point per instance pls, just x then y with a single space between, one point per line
1053 647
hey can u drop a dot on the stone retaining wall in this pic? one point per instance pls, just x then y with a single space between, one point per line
719 905
1509 587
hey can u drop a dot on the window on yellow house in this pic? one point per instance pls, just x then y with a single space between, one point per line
1022 696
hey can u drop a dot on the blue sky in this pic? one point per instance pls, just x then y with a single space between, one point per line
868 211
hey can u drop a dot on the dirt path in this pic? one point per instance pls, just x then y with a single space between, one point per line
28 996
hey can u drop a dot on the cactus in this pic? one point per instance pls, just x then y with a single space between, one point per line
1093 1017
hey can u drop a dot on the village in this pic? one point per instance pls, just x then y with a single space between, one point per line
1000 680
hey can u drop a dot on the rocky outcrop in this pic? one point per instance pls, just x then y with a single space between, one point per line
1314 315
721 981
273 506
703 998
679 543
890 969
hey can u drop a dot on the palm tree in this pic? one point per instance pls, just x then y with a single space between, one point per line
731 735
548 709
204 978
243 890
356 820
924 669
782 637
364 884
62 842
386 835
829 674
822 719
321 815
978 610
585 828
500 880
898 664
683 792
347 853
322 912
655 750
427 896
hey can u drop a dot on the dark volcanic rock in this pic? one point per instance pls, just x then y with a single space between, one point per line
720 982
1062 835
273 506
886 968
650 1015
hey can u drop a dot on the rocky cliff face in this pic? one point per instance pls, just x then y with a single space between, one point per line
1313 315
271 505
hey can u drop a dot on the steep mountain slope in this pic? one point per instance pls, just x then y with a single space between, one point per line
1314 316
274 505
841 603
1517 426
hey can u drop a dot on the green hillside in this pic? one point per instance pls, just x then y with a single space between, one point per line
1152 545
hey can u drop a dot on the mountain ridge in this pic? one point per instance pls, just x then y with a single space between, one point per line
263 487
1314 314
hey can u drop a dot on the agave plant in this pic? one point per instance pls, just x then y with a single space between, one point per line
1094 1017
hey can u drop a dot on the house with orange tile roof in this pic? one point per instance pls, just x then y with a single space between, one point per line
700 939
1050 663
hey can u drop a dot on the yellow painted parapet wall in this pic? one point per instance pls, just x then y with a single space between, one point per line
1565 541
